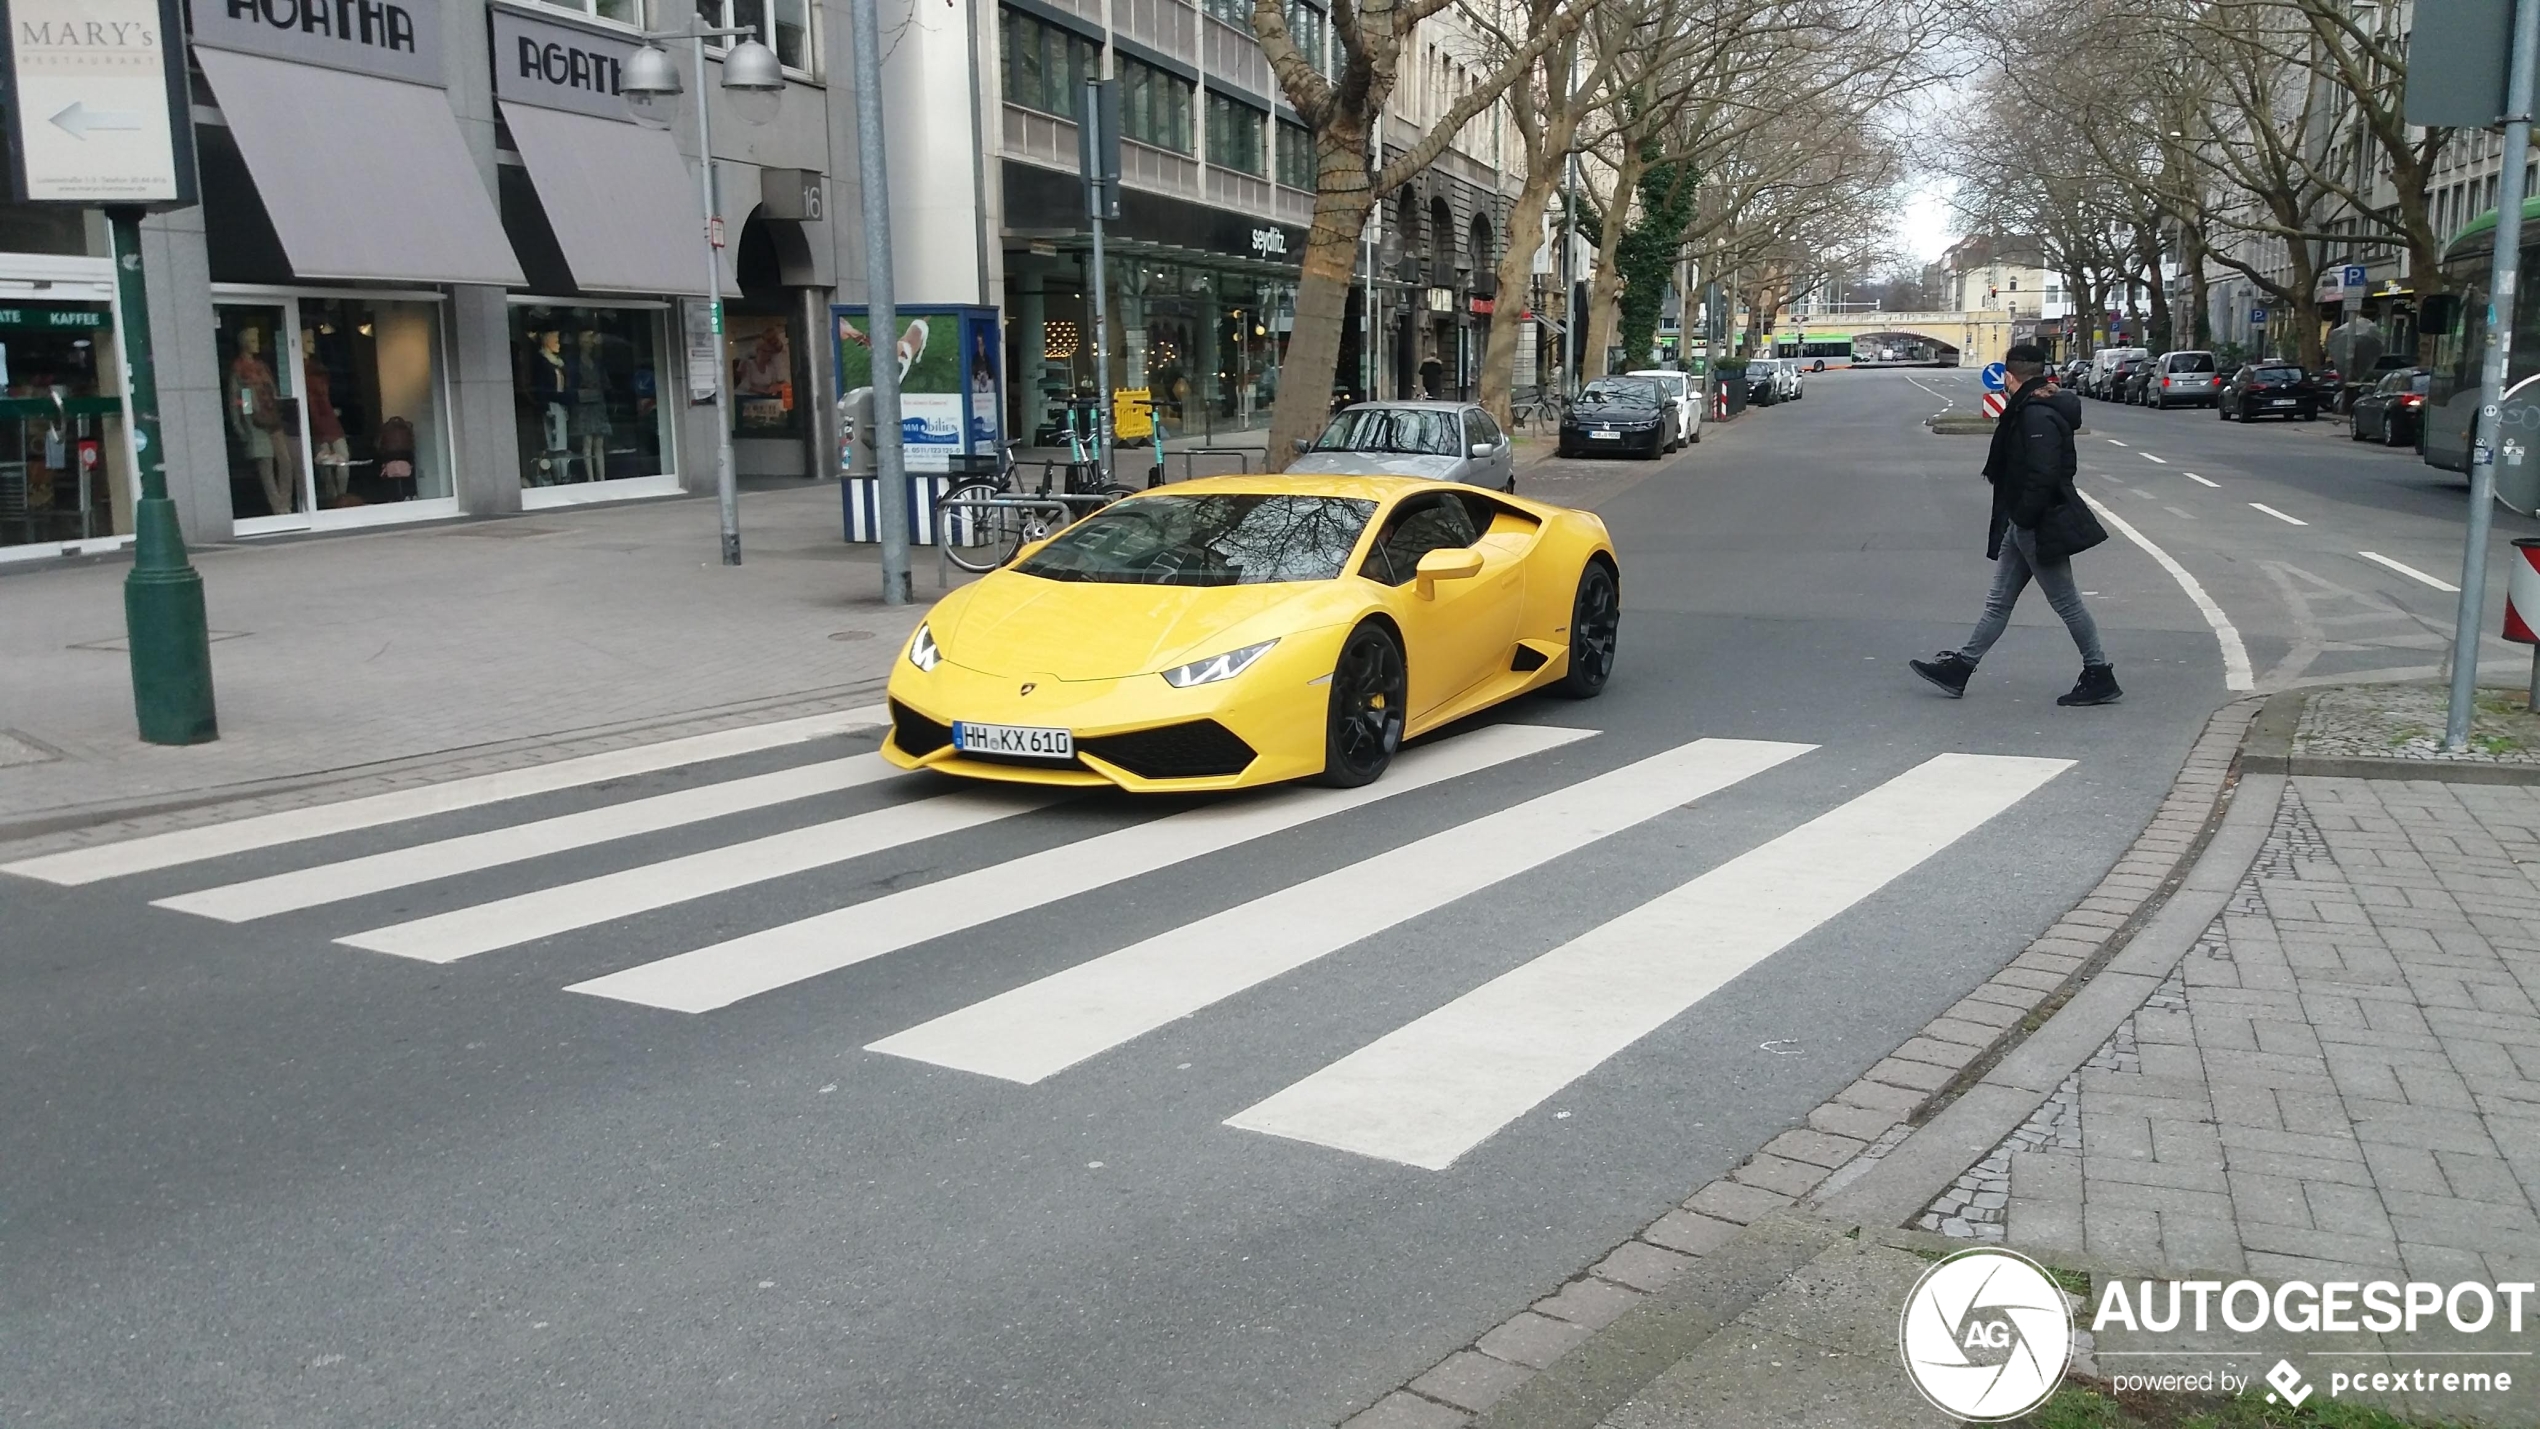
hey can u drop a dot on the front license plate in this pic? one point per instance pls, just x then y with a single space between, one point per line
1605 436
1022 741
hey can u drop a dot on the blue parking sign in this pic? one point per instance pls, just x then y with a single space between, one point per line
1996 377
2258 316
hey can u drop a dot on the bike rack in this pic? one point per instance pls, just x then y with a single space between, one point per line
1060 505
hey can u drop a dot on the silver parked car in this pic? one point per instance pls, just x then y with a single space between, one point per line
1445 441
2180 378
1685 390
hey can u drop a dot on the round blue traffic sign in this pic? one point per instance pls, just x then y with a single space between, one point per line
1996 377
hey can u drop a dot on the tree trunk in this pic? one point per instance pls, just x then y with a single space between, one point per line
1322 295
1608 279
2200 324
1518 247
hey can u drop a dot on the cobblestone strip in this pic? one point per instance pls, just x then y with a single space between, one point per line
1843 1137
211 806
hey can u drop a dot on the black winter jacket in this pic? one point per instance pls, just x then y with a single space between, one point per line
2032 459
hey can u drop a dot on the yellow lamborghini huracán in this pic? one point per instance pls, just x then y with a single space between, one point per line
1245 630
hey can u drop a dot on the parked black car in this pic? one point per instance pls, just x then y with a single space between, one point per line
1617 415
2269 389
2120 382
2134 381
2392 410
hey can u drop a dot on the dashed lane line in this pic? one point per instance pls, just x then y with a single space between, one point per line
2182 515
2112 441
2235 654
2200 481
2280 516
2147 456
2409 571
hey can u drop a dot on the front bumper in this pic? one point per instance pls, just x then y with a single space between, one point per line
1135 732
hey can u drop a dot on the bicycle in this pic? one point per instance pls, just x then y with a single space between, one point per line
982 524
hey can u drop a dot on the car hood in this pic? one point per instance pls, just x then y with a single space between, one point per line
1013 624
1373 464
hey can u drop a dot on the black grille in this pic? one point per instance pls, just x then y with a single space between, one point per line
1198 750
1526 658
915 734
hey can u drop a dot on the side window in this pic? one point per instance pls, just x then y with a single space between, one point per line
1417 527
1479 429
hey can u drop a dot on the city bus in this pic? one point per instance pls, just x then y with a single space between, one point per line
2454 326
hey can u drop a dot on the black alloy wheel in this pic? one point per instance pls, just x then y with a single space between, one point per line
1370 693
2355 426
2390 431
1596 622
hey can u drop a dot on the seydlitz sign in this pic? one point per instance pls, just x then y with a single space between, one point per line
396 39
557 66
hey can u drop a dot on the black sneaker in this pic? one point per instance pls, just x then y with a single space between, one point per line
2098 686
1948 671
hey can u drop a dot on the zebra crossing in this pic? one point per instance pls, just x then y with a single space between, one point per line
1423 1095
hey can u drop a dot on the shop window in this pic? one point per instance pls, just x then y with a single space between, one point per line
761 351
586 390
1296 156
62 471
1155 106
782 25
1235 135
331 403
1046 67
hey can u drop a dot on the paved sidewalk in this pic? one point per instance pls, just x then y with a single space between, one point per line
340 652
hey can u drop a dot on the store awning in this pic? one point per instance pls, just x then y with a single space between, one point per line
366 179
623 203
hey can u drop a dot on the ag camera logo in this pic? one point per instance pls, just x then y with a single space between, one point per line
1985 1335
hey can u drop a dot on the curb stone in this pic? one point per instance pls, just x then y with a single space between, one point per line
1699 1265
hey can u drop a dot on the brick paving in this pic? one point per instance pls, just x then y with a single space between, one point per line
2341 1080
353 650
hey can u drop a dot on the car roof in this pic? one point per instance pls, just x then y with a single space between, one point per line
1263 483
1408 406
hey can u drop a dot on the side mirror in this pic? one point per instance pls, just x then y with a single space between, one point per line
1484 448
1458 564
1300 444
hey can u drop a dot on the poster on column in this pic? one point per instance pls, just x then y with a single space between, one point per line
952 379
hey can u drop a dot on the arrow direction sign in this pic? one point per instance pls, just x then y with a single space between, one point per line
79 119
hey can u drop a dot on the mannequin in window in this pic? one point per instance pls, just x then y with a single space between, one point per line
591 403
333 454
255 418
551 388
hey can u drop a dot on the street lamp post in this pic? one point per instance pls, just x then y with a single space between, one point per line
756 83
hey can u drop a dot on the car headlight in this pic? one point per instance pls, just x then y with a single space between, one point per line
1216 667
921 649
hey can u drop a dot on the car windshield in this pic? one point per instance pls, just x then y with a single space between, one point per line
1213 540
1606 391
1413 431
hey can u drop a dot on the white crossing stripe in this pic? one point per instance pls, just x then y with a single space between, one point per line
1434 1089
1046 1026
725 973
152 851
445 858
2191 476
464 932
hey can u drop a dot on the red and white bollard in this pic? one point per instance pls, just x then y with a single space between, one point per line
1994 402
2522 593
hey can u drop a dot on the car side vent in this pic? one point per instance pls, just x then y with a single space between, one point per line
915 734
1200 749
1527 658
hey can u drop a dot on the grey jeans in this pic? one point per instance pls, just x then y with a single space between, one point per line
2011 573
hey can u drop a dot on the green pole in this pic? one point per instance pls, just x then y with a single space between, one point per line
163 596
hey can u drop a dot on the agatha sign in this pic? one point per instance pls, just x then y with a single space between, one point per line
538 61
94 112
395 39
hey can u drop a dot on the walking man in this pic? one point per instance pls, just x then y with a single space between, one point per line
2038 523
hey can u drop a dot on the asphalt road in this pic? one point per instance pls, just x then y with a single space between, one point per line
252 1175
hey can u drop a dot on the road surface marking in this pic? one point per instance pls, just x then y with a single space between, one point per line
2235 654
2191 476
2280 516
404 867
2174 511
2147 456
2112 441
88 865
563 908
2139 491
725 973
1044 1027
1434 1089
2409 571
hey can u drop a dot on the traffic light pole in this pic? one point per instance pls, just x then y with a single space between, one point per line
2501 306
167 633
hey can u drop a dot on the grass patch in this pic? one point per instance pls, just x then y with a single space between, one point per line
2085 1406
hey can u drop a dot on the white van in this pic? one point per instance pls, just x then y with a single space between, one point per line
2103 364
